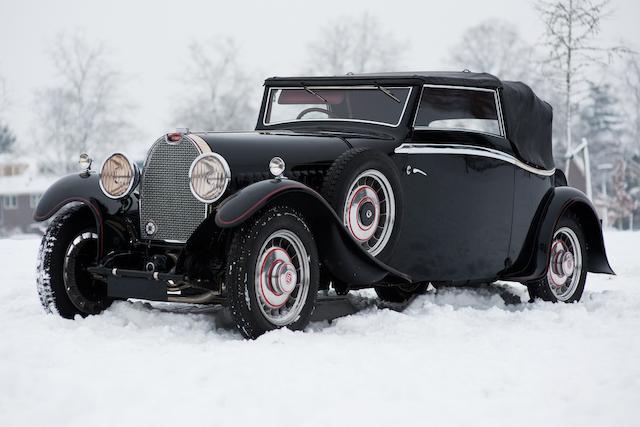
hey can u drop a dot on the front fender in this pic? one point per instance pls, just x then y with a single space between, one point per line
340 253
83 188
532 264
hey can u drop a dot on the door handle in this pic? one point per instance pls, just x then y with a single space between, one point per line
411 170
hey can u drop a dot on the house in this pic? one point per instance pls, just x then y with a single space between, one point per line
21 187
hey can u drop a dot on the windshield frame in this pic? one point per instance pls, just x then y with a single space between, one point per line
314 88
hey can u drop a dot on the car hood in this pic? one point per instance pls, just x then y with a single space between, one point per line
306 156
252 151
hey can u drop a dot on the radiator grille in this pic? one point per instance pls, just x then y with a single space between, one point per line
168 210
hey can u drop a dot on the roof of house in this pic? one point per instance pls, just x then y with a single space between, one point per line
29 181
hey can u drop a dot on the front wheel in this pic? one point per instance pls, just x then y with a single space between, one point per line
566 272
272 275
68 247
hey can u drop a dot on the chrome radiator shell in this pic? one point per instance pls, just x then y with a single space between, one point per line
168 209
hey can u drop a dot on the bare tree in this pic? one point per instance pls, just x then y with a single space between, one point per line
355 45
632 77
7 137
623 204
494 46
571 30
4 98
218 94
84 111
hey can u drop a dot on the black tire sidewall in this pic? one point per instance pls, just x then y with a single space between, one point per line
346 168
243 256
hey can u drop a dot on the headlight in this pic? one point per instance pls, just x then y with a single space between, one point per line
118 176
209 176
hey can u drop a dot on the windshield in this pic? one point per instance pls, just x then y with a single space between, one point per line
373 104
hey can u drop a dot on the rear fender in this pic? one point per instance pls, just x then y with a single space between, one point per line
78 188
532 263
341 254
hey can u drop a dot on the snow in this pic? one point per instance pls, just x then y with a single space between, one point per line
459 357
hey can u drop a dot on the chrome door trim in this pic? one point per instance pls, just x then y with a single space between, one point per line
468 150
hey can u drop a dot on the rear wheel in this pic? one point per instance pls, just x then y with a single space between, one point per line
68 247
273 274
566 272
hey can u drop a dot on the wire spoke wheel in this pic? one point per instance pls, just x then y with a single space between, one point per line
369 210
282 276
565 264
272 275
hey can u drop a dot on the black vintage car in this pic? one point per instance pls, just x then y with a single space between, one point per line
391 181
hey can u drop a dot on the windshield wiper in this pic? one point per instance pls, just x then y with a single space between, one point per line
317 94
389 94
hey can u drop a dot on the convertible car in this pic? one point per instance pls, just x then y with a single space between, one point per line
391 181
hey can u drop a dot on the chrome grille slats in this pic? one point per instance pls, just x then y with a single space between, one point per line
165 197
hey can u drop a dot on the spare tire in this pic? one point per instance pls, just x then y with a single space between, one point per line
363 187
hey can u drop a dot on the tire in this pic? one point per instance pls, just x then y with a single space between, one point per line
400 294
363 187
276 240
553 286
68 246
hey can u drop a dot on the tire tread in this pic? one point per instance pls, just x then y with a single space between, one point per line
49 279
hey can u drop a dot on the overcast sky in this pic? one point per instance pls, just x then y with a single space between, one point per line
149 39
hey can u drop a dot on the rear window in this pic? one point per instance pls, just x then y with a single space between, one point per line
458 109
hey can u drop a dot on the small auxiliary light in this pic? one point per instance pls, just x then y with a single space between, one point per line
85 162
277 167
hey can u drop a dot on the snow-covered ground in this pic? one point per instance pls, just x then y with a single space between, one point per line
461 357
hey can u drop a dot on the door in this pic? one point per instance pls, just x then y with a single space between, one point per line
458 188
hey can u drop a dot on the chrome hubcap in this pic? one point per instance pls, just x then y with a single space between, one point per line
282 277
369 210
565 264
363 213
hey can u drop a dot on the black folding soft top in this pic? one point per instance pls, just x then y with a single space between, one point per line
527 118
453 78
528 121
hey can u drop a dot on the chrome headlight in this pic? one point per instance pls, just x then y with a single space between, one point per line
209 176
118 176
